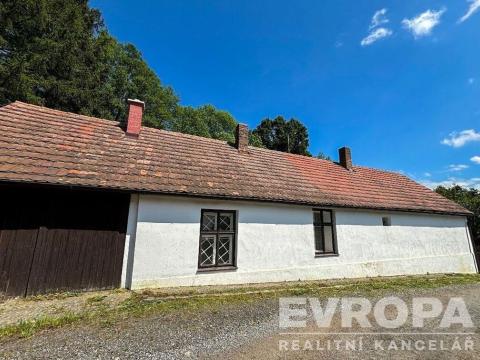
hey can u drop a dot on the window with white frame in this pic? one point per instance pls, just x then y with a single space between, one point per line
217 239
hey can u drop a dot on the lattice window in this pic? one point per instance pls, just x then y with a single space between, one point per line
207 250
225 243
225 222
217 239
209 221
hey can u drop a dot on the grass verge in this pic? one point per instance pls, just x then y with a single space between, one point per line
143 303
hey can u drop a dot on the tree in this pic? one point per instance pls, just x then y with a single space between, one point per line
48 48
221 124
323 156
58 53
469 199
255 140
289 136
126 75
204 121
207 121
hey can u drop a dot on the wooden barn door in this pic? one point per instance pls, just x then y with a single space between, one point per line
76 260
57 240
18 236
16 249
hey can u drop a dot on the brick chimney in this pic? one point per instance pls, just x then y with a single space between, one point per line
241 137
345 157
135 114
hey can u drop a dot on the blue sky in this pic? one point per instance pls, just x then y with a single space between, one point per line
397 81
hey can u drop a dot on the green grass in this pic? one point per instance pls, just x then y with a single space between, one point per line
29 327
149 302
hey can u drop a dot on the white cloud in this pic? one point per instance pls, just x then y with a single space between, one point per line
474 6
475 159
379 19
467 183
457 167
376 35
376 32
423 24
459 139
427 174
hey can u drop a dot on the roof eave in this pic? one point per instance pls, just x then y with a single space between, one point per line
245 198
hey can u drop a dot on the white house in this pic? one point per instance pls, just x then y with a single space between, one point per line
185 210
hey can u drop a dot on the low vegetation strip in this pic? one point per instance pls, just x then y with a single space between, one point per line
108 307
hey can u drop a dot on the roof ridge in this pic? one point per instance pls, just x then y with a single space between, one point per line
185 135
292 154
46 109
381 170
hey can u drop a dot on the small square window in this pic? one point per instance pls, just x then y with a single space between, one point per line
386 221
225 222
209 221
327 217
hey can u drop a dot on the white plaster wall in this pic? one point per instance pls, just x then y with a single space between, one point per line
129 250
276 243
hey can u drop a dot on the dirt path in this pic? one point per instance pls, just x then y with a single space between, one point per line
376 342
242 330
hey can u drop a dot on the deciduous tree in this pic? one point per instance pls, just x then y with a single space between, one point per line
469 199
288 136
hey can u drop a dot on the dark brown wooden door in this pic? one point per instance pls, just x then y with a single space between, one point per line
16 254
57 239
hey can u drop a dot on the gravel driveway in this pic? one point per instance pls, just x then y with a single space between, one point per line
247 330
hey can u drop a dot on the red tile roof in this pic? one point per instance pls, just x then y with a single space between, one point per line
41 145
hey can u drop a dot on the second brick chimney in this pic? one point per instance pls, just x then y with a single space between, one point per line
345 157
135 114
241 137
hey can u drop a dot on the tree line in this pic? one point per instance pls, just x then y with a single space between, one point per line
59 54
